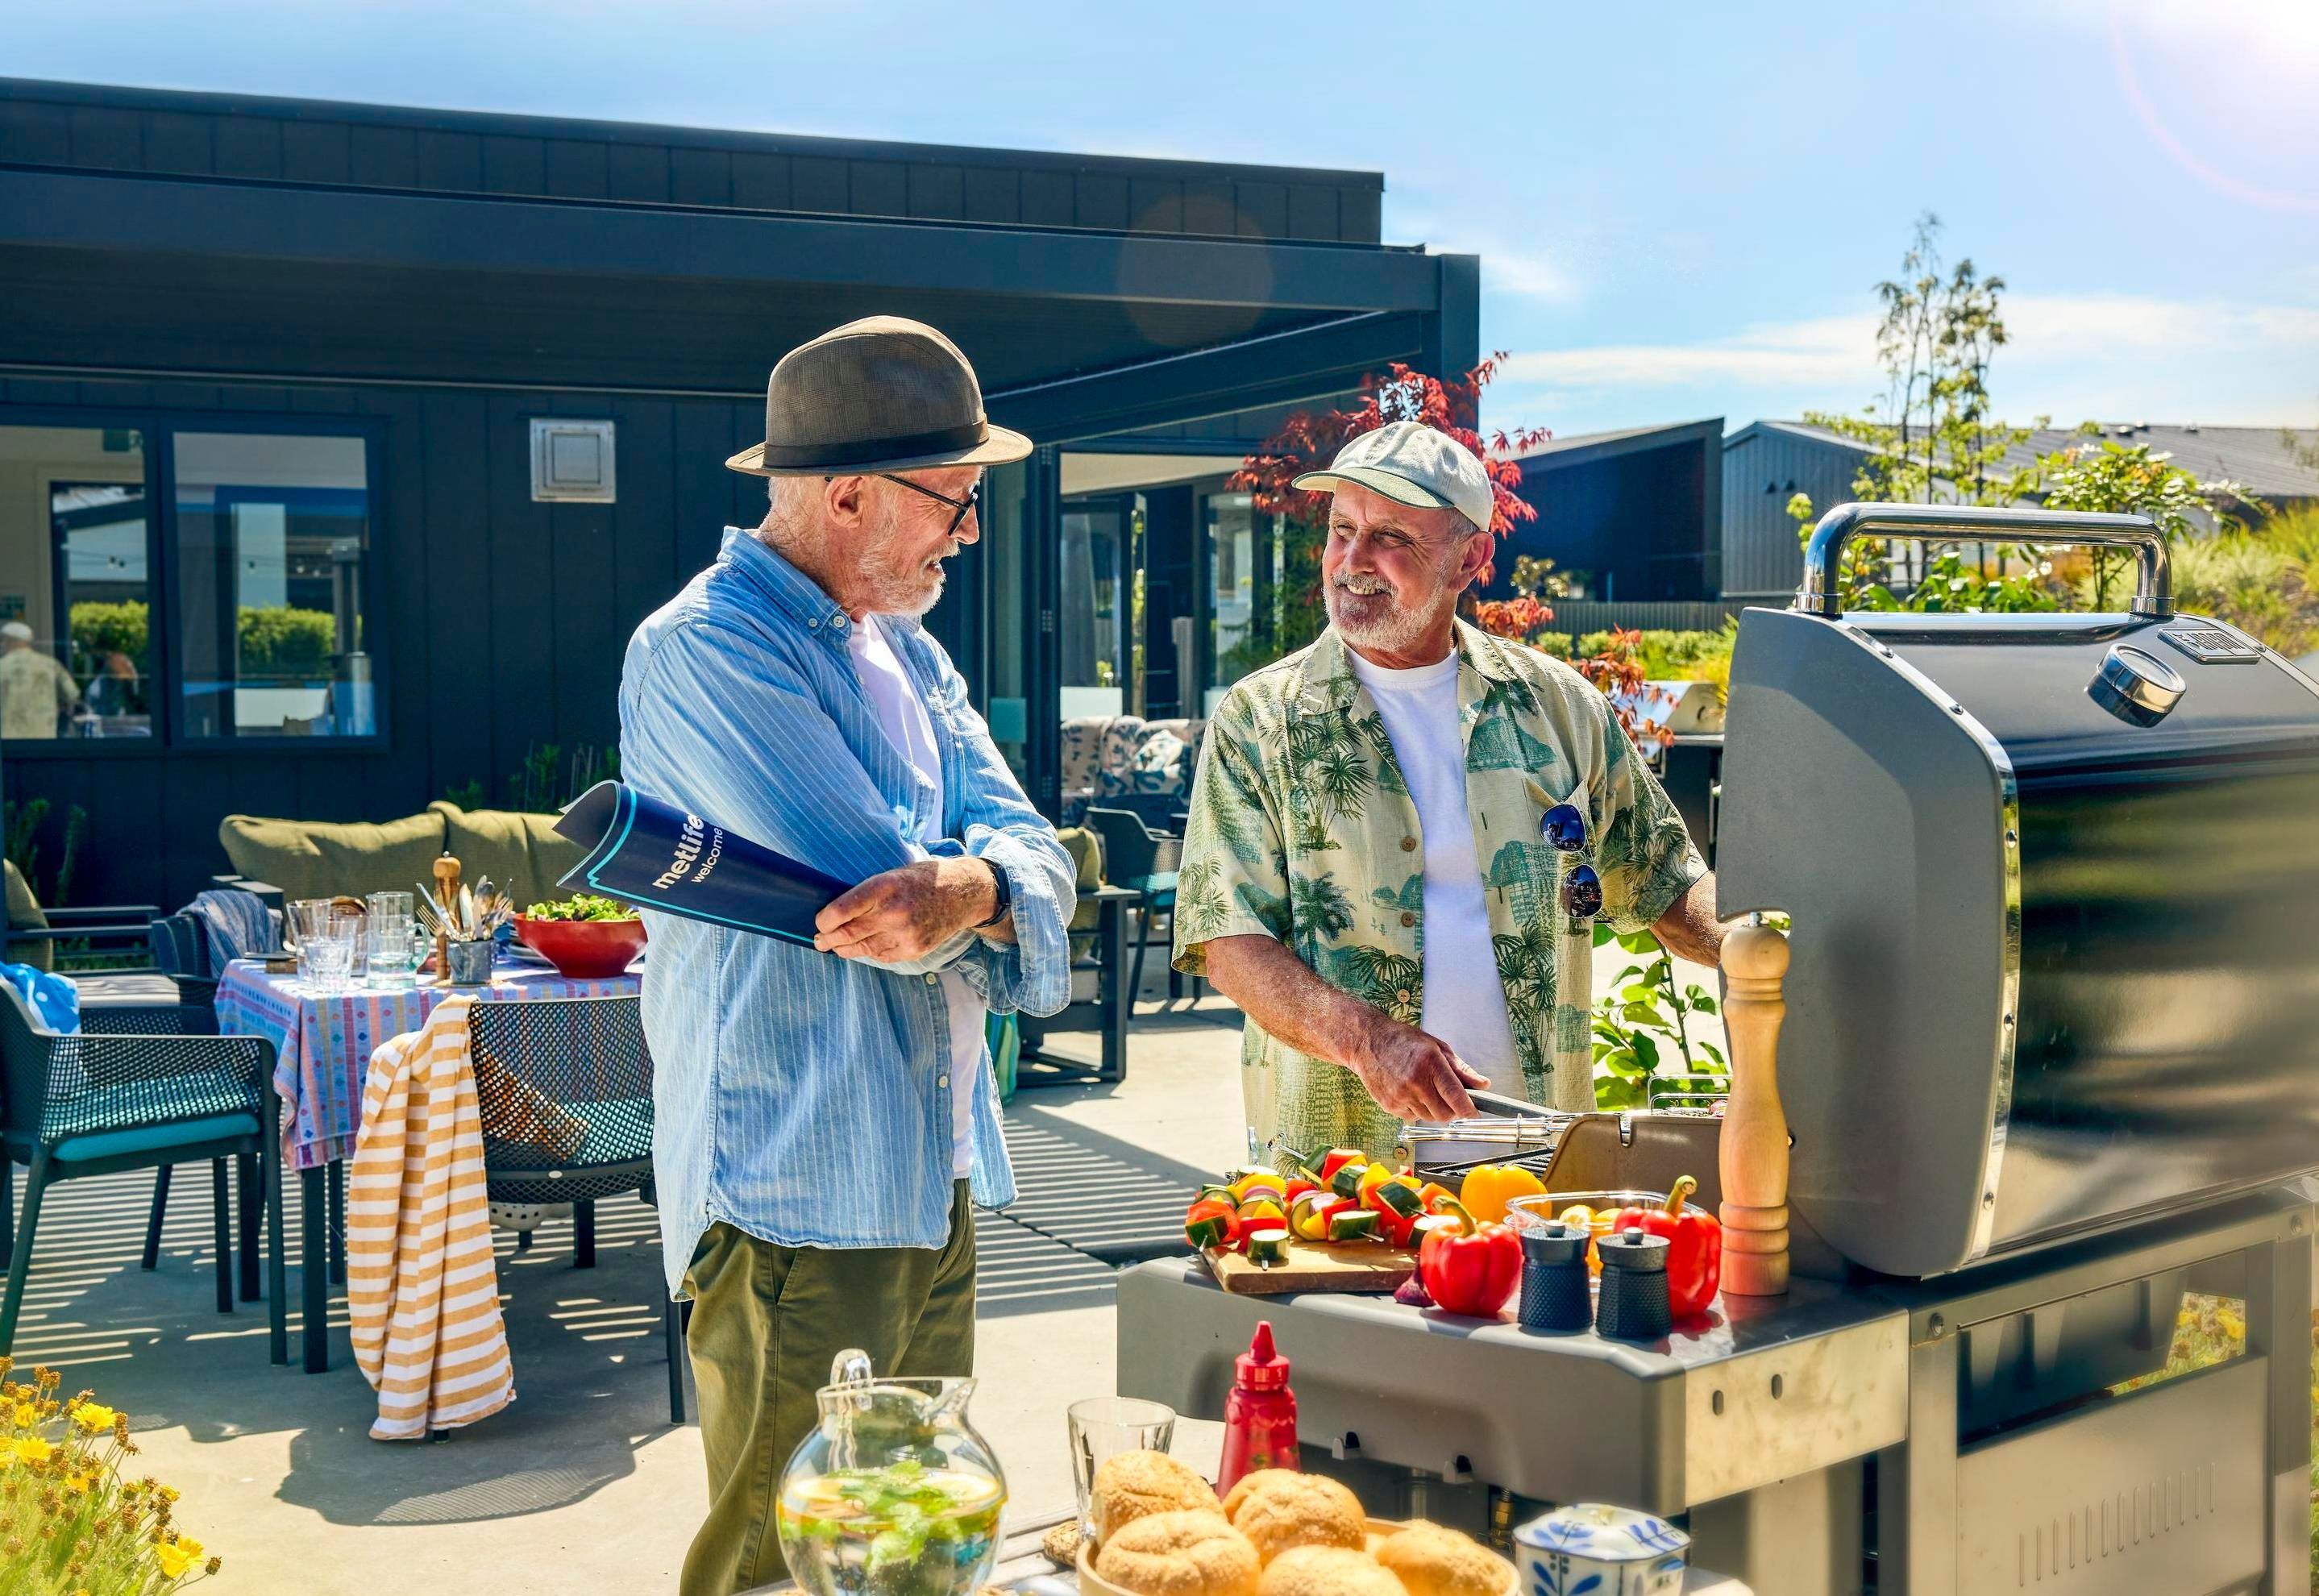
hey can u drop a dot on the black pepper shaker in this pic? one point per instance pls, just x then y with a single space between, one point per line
1634 1303
1555 1294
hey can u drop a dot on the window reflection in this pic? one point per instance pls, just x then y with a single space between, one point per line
75 534
272 534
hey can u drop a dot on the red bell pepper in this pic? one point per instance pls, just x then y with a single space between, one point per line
1337 1159
1470 1269
1211 1224
1694 1249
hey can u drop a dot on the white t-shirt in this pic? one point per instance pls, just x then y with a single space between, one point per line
904 719
1464 1001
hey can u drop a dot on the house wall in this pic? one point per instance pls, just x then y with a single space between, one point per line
1763 469
1636 522
503 621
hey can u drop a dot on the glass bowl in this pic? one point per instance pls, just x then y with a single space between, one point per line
1526 1212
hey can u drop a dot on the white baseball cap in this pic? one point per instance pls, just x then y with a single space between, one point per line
16 632
1415 465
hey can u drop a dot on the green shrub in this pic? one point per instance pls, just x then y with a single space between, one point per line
2254 581
1671 656
101 629
280 640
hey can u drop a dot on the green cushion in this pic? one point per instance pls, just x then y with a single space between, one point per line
520 853
112 1144
1086 849
318 859
25 910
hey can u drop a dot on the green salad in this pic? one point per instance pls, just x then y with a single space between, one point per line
582 906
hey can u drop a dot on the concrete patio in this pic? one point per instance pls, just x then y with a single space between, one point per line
584 1485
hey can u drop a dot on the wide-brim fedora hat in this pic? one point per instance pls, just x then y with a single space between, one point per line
879 395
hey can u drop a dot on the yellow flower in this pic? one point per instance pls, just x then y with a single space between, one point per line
174 1562
27 1415
31 1448
189 1545
168 1494
93 1418
80 1483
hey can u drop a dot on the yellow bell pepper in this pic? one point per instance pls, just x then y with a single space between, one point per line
1489 1187
1258 1180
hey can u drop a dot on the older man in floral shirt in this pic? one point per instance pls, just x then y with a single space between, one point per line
1366 873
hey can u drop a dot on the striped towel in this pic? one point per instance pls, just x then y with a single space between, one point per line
422 1292
237 924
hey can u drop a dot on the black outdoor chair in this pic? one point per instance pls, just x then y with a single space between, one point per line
1143 861
98 1103
564 1089
184 1003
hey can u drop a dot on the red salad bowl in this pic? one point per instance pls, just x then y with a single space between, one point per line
584 950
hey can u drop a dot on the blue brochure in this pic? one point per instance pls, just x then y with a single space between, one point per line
653 854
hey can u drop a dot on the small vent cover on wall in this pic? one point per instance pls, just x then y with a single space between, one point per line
572 461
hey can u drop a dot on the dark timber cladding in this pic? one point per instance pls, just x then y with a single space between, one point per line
434 281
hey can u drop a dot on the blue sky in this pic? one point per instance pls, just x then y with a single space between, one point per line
1682 209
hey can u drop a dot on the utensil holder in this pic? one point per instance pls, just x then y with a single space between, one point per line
1634 1305
470 964
1555 1279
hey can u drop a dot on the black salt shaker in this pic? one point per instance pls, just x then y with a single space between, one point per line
1634 1303
1554 1278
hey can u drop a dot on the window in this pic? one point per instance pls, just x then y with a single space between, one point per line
237 609
271 535
76 543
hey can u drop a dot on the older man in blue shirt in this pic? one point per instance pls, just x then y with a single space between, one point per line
825 1118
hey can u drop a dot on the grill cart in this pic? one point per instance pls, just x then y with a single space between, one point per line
2051 1061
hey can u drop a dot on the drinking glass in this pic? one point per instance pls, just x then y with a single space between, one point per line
309 921
335 950
391 939
1102 1427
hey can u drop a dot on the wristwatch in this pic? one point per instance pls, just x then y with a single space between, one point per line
1004 894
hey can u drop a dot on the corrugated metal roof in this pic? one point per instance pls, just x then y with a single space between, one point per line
2255 457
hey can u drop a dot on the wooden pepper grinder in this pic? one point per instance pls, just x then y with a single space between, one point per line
446 893
1753 1146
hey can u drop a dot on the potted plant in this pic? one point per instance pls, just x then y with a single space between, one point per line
585 937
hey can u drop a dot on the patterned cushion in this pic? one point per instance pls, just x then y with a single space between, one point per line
1115 770
1159 765
1082 738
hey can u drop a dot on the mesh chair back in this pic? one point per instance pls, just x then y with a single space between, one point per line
76 1085
1130 851
564 1089
180 947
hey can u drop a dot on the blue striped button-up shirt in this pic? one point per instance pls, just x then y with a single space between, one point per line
801 1097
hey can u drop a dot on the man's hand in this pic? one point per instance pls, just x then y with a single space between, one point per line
905 913
1414 1076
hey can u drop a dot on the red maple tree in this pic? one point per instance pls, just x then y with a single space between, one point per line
1307 441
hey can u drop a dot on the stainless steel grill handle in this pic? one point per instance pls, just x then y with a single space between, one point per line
2153 598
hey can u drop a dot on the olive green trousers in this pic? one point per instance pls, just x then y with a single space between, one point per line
767 1321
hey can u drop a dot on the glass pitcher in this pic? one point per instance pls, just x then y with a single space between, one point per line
893 1493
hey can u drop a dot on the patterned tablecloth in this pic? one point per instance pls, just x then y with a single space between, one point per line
325 1039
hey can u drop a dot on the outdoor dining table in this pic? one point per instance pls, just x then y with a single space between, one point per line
323 1044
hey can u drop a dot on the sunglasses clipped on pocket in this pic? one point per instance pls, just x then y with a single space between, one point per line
1564 830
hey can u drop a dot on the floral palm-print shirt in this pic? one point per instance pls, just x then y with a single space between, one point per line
1303 830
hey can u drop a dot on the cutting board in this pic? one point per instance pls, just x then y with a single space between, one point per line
1313 1266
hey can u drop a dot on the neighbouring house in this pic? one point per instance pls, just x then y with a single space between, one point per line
342 446
1765 464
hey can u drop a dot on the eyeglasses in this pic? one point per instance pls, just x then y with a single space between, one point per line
960 508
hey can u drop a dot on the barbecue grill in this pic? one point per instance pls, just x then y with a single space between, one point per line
2050 1062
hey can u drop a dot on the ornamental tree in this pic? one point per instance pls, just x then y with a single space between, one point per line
1309 440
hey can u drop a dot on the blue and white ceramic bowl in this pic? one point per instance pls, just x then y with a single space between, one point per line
1588 1549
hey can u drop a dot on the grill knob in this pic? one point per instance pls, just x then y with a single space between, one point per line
2136 687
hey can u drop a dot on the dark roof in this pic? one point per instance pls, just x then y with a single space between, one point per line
2255 457
1558 451
343 145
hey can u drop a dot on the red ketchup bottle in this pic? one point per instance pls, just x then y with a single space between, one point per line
1260 1413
